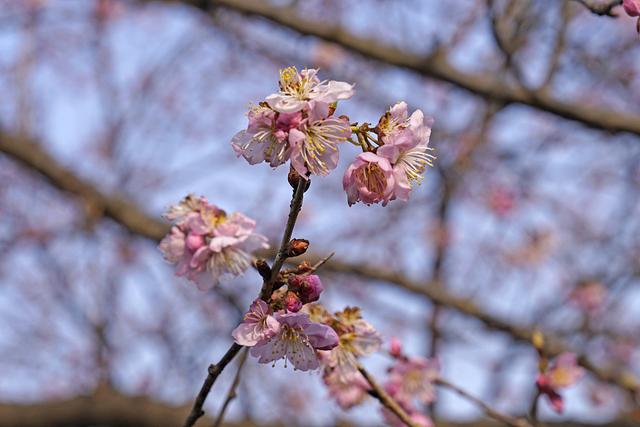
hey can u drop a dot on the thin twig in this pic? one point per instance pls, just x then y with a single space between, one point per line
490 412
294 210
265 294
232 390
320 263
214 372
384 398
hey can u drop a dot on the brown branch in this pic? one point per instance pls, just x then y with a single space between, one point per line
232 390
111 408
600 7
136 221
435 66
212 376
384 398
490 412
265 294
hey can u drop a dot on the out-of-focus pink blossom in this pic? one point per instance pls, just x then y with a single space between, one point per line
412 378
314 144
296 342
308 287
589 296
501 200
564 372
395 347
257 324
406 146
369 179
298 88
632 7
207 245
348 392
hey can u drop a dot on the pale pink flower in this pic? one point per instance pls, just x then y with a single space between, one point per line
307 287
589 296
564 372
207 245
357 338
632 7
369 179
413 377
257 324
296 342
298 88
314 144
348 392
266 137
406 146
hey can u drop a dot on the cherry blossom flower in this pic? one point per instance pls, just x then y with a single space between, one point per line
413 377
298 88
357 338
406 146
314 144
257 324
207 245
369 179
266 137
632 7
348 392
296 342
564 372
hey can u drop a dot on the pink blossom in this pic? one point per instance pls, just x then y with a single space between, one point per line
298 88
370 179
257 324
314 145
308 287
207 245
357 338
589 296
406 146
411 378
348 392
297 342
395 348
632 7
564 372
266 137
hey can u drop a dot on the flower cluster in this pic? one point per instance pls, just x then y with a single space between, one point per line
299 124
388 171
563 372
411 379
206 244
357 338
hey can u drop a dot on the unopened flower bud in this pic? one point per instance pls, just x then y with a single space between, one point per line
263 269
308 287
297 247
395 349
294 177
292 302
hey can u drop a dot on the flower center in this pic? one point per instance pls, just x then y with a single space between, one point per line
372 177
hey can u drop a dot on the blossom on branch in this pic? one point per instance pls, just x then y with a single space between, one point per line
257 324
208 245
297 341
564 372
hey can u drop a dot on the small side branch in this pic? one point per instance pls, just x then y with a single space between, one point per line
232 390
384 398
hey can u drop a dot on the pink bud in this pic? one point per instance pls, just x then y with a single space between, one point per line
308 287
292 303
632 7
194 241
395 349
